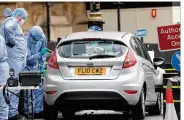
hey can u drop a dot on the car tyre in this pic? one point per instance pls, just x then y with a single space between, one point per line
138 111
156 109
50 112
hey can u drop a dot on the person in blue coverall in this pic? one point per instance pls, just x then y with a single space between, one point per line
16 49
36 42
4 75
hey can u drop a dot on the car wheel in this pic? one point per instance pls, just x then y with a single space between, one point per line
50 112
138 111
68 113
156 109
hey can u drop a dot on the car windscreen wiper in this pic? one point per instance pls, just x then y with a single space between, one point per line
102 56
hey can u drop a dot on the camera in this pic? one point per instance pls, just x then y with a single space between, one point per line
12 81
30 78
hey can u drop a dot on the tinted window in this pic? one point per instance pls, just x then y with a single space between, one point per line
136 47
145 51
87 48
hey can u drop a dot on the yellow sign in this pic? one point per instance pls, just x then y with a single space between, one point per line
90 71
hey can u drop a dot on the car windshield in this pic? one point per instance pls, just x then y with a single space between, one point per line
88 48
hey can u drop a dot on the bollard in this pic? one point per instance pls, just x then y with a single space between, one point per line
175 87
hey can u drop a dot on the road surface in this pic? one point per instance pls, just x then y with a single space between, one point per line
104 115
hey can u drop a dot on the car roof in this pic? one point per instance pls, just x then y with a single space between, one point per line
102 35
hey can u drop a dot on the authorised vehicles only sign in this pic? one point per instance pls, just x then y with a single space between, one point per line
169 37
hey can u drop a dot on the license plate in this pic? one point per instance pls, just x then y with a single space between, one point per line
90 71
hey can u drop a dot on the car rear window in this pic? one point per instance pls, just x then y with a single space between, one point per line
87 48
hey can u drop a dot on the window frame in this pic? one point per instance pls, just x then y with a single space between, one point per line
71 42
144 50
133 39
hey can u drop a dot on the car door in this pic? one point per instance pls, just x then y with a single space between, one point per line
138 50
151 76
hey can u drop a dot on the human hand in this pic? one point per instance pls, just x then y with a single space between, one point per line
43 51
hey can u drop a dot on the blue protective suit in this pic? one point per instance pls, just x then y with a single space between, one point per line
35 61
4 75
16 49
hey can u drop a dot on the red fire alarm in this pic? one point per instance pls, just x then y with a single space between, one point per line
153 12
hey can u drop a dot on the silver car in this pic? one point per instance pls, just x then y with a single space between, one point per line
101 71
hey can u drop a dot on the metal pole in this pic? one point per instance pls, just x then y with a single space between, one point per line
118 4
27 96
32 106
48 20
142 39
119 23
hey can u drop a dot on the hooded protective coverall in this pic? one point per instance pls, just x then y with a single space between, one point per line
4 75
36 58
16 48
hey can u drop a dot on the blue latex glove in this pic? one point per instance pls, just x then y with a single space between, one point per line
43 51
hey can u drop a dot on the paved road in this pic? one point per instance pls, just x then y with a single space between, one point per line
103 115
113 117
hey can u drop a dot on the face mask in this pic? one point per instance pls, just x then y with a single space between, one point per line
33 41
36 39
21 22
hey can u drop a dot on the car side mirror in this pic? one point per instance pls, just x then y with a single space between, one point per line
159 61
